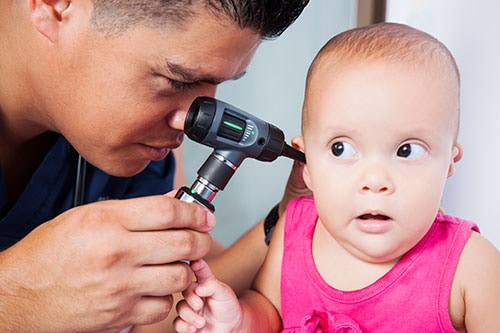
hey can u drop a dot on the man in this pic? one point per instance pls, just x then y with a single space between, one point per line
108 82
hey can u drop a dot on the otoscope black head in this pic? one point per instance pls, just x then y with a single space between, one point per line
235 135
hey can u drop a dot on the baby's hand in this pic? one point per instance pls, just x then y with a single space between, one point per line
208 305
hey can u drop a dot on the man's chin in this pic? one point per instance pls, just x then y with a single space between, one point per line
125 169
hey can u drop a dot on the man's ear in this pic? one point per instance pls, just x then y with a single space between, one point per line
298 143
457 156
47 15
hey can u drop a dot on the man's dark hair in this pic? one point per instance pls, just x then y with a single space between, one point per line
267 17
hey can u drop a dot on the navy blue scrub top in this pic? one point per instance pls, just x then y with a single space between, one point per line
50 190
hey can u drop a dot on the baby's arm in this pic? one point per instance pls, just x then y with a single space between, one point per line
478 273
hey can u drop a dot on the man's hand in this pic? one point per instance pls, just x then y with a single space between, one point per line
102 266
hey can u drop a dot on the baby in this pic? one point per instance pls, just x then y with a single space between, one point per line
370 251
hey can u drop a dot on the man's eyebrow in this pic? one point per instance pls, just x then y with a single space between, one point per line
188 75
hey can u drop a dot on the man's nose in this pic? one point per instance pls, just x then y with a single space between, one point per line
206 90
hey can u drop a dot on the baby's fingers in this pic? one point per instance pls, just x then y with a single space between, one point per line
192 298
188 320
181 326
213 289
202 271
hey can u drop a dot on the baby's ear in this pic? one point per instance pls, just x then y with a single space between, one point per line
47 16
457 154
298 143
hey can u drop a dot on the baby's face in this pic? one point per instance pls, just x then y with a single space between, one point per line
380 142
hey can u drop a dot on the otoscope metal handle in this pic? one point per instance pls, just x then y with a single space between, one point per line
188 195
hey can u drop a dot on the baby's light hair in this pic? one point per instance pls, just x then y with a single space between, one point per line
389 42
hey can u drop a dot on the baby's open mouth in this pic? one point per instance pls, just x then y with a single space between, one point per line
373 217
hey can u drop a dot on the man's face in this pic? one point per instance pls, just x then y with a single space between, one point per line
121 101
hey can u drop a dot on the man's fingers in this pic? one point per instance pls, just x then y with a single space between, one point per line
158 247
149 310
161 280
161 212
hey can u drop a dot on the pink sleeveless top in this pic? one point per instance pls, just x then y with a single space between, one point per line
412 297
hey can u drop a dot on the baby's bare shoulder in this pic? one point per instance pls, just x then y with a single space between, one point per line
475 294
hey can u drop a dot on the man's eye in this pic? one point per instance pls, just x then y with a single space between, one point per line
343 149
411 151
183 86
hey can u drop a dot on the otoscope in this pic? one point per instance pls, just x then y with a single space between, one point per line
235 135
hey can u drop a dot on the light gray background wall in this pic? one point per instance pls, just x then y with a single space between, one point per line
273 90
471 30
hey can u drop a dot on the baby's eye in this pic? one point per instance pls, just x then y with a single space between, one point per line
411 151
343 149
